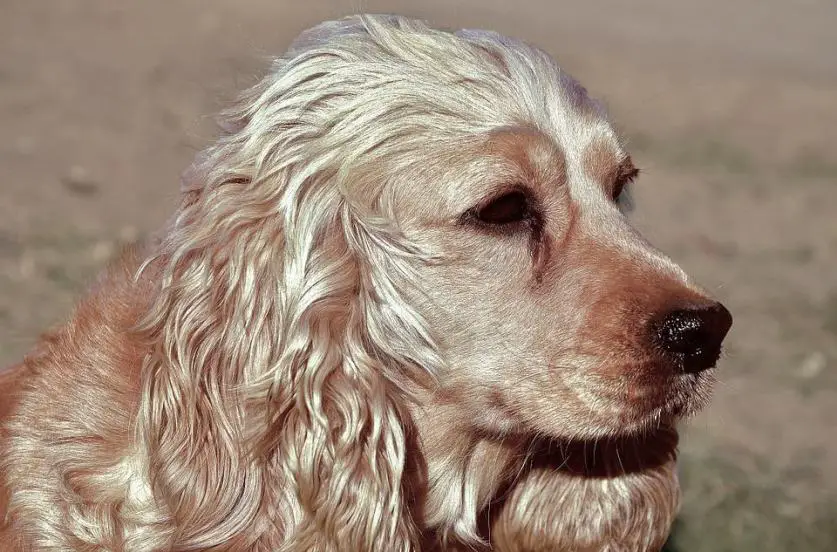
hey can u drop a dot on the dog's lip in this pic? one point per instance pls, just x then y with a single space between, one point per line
676 391
657 368
660 374
663 412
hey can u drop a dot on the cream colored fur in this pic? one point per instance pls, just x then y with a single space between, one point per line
317 354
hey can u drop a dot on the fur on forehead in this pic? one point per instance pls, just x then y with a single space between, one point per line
426 86
382 28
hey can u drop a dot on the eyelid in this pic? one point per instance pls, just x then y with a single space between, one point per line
625 177
626 170
629 175
469 214
502 192
535 218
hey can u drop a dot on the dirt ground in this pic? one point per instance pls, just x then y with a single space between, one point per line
731 110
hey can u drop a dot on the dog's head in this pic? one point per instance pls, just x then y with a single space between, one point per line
551 313
397 208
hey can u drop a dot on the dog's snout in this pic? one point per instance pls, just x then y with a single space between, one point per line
694 335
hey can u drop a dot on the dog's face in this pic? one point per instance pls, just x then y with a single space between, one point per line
553 314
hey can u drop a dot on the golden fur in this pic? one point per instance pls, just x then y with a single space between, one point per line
319 352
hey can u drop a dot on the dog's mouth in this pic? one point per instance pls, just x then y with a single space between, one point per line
608 456
613 399
678 397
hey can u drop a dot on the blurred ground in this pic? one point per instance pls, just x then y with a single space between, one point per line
731 108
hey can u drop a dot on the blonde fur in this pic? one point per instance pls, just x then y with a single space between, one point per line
317 354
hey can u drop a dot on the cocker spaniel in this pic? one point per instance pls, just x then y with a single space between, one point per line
399 308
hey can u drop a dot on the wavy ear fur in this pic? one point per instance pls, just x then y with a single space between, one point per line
274 394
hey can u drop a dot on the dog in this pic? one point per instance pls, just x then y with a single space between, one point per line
399 307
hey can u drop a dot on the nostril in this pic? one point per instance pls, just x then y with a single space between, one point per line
681 332
694 335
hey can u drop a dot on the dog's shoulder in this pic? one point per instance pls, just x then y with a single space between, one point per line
98 345
11 379
68 408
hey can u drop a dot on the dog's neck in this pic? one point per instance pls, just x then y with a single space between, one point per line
476 485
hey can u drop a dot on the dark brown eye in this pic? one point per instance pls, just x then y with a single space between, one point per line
622 181
618 188
507 209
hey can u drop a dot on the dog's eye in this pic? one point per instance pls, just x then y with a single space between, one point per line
622 182
618 188
507 209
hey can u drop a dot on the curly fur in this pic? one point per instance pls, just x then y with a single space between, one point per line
306 357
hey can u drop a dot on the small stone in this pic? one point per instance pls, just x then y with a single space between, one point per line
102 251
79 182
27 266
813 365
78 174
128 234
789 509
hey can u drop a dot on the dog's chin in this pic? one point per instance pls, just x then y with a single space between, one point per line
681 398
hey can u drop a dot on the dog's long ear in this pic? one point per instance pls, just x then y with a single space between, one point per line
281 348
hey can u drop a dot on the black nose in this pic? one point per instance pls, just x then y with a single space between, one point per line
694 336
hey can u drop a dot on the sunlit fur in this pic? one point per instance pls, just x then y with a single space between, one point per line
319 353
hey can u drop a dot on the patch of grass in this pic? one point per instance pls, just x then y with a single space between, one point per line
731 509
